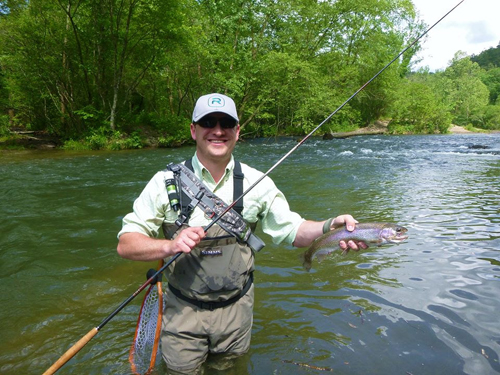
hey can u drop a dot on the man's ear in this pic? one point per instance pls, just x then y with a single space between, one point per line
193 131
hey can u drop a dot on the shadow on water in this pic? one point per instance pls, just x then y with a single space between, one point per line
428 306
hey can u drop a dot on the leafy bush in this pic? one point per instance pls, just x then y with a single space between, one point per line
103 139
96 141
121 142
72 145
491 118
417 109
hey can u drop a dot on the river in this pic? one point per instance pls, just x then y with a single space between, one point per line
427 306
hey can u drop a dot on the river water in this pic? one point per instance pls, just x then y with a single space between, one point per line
428 306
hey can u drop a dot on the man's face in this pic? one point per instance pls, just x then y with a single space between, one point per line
215 144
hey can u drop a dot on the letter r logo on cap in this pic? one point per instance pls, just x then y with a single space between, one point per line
216 101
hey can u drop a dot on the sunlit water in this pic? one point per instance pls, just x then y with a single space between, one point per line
428 306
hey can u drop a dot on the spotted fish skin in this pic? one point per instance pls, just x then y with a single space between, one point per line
370 233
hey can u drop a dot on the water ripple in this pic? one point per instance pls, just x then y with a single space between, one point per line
424 307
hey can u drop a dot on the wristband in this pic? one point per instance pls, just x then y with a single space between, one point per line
327 225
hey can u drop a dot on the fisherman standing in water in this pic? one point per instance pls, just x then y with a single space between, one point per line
210 294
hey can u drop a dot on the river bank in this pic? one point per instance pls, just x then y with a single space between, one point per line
380 127
39 140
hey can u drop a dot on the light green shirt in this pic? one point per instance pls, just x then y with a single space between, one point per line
265 203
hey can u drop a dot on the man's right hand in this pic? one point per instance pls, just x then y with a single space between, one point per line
187 240
138 246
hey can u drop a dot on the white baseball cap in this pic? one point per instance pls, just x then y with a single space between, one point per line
211 103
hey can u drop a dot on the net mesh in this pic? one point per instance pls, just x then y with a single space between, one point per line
146 346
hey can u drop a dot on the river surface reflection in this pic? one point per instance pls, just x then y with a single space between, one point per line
428 306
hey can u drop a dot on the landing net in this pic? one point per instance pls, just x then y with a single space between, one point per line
146 346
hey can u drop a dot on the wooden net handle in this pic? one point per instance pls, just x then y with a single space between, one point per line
71 352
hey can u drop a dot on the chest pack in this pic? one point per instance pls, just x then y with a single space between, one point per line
193 193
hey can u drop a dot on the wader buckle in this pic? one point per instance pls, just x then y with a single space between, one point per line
211 306
184 216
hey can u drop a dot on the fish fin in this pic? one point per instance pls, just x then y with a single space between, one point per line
321 256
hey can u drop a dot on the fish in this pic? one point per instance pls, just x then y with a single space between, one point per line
370 233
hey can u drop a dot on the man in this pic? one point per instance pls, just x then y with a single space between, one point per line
209 301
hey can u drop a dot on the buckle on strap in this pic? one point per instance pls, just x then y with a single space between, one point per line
207 305
174 168
185 215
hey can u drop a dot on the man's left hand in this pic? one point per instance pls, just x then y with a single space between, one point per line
350 224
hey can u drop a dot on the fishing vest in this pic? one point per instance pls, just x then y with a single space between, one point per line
218 271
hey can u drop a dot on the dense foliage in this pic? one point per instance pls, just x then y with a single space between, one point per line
488 59
102 69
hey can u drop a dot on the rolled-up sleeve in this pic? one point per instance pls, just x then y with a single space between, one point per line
150 209
280 222
267 204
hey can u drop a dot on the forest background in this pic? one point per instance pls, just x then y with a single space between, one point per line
116 74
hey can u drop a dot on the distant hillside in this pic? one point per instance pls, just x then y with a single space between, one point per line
489 58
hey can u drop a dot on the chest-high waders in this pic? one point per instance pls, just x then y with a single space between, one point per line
219 270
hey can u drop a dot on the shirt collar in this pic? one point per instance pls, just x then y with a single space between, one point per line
201 172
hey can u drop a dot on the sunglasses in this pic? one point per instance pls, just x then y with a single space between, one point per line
209 122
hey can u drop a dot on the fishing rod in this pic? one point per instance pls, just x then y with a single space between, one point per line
328 118
85 339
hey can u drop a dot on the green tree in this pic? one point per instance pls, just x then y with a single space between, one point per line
491 78
418 108
491 117
489 58
463 89
372 34
79 67
291 63
77 64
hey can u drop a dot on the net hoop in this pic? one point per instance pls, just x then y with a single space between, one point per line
145 347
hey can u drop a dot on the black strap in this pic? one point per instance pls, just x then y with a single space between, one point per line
189 164
238 177
216 304
238 187
184 197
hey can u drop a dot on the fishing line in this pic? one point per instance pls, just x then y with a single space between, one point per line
85 339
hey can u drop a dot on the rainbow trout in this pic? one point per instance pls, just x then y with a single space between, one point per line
370 233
